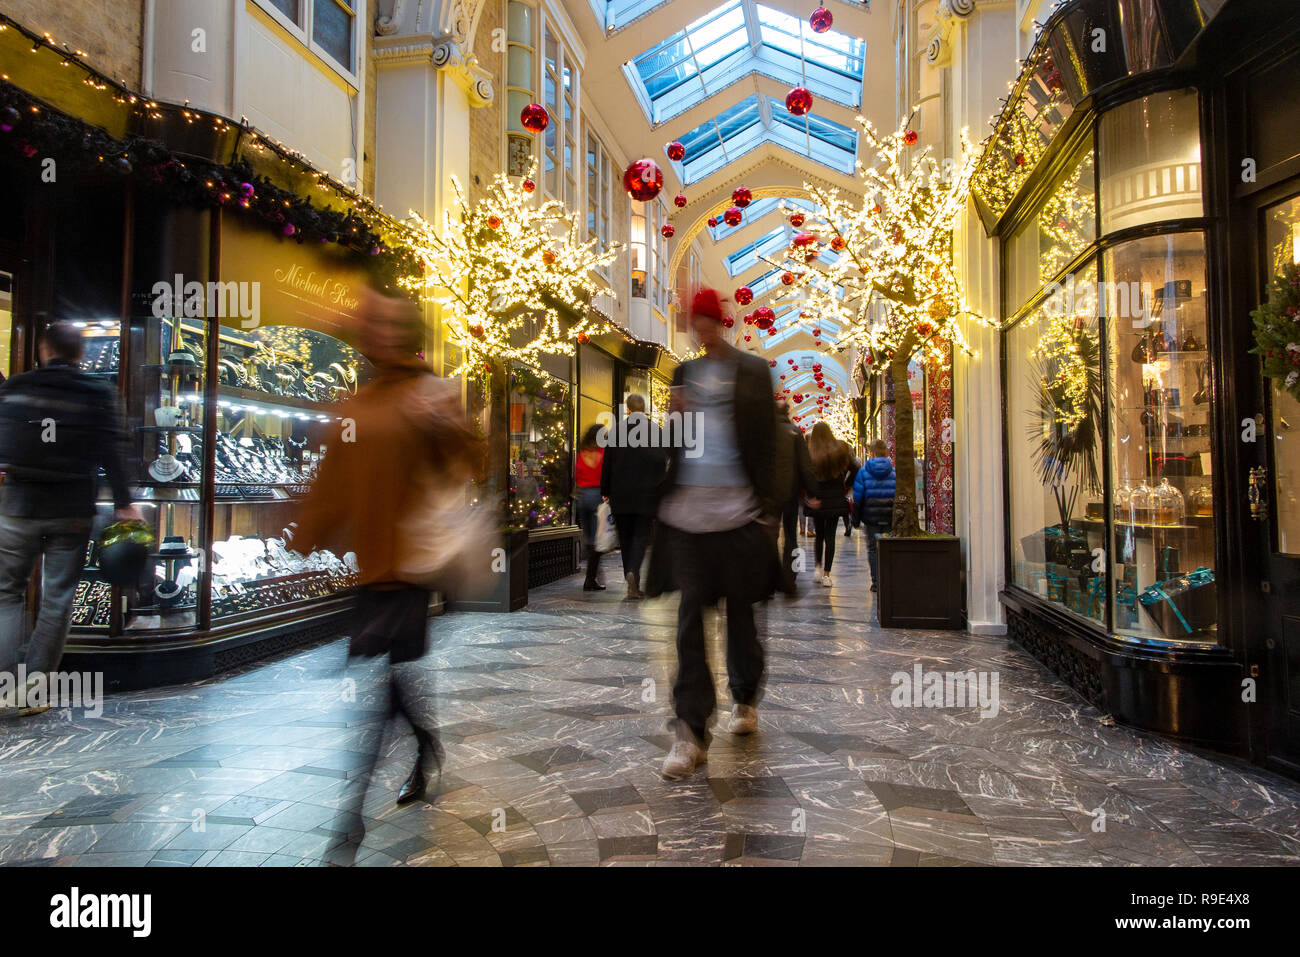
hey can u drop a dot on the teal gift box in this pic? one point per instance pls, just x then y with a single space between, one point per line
1184 606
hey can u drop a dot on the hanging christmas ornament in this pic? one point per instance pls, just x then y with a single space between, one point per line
837 243
679 201
548 257
676 151
733 216
817 367
643 180
798 396
477 331
667 231
747 337
821 20
799 101
528 185
787 279
772 363
764 316
772 331
817 332
728 322
742 196
534 117
583 338
910 137
796 219
1020 159
713 222
804 240
494 222
744 296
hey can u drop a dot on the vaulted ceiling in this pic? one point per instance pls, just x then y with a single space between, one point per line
714 76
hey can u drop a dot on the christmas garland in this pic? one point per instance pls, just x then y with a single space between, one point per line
1277 330
35 131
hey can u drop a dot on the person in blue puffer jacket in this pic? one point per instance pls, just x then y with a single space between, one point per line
873 502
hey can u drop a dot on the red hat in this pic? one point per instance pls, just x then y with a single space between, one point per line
707 302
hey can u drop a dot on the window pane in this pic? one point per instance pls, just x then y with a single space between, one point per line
1282 231
520 67
552 53
1063 228
1161 460
516 100
332 30
290 8
520 23
1054 452
1150 154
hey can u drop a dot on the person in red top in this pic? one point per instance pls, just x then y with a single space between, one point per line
591 458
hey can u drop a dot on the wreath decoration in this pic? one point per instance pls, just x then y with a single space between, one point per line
1277 330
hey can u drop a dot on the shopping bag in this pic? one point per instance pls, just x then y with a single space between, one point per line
606 531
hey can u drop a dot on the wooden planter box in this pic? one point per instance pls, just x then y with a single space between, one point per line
921 583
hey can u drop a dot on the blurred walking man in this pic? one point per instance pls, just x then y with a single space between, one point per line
58 426
717 503
633 470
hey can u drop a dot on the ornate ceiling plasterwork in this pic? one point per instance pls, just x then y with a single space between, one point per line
437 32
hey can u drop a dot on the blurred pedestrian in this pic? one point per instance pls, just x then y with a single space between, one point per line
832 469
410 449
713 526
873 502
633 470
792 480
58 426
587 473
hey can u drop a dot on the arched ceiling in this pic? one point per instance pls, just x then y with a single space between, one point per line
713 74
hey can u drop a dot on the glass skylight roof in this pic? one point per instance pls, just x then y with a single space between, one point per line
735 41
756 211
619 13
772 243
759 119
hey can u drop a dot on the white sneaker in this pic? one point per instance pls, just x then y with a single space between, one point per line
744 719
682 760
826 580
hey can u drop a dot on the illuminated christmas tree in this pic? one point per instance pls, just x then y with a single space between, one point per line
502 271
891 286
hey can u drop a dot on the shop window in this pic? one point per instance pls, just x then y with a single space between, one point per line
640 255
1054 453
1160 440
1062 229
1150 161
541 448
1282 235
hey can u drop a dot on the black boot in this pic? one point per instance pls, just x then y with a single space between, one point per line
593 566
414 788
427 762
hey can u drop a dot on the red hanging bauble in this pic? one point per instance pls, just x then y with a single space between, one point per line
643 180
817 332
787 279
548 257
534 117
1020 159
494 222
803 240
728 322
583 338
910 137
798 396
817 367
747 337
733 216
528 185
772 331
838 243
764 316
742 196
749 318
772 363
713 222
799 101
744 296
676 151
796 219
667 231
821 20
679 201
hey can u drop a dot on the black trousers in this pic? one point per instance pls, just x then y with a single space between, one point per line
825 528
707 567
633 536
789 525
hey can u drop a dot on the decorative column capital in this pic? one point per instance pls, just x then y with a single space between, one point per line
443 52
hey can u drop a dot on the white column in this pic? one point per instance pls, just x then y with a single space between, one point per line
983 44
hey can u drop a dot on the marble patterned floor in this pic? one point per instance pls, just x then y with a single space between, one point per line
554 723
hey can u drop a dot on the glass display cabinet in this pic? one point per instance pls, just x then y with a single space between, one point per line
226 428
